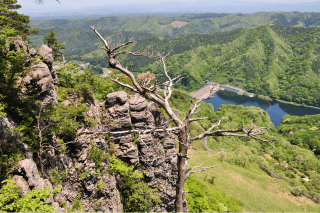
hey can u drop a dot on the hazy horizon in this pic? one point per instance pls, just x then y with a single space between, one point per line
30 7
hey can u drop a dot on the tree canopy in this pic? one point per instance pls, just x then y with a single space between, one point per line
12 18
52 42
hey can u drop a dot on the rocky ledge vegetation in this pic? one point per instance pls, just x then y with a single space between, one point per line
59 140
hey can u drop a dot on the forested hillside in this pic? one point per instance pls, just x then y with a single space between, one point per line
279 60
274 60
80 42
74 33
194 23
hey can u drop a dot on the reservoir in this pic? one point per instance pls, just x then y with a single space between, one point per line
276 112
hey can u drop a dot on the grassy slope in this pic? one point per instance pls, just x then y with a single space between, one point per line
257 190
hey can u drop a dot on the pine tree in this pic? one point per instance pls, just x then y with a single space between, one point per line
52 42
12 18
50 39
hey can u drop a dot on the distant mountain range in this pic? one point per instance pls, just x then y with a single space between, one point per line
172 8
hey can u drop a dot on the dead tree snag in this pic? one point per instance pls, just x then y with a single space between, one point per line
151 91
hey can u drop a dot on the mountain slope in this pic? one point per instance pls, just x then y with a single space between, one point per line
261 177
281 62
196 23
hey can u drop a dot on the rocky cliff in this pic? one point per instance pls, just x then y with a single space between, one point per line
153 155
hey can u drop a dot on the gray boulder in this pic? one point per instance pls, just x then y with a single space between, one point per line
46 52
116 98
42 83
138 103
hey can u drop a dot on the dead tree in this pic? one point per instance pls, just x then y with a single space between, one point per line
151 91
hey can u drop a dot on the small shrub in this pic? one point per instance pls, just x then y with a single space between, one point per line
99 187
56 177
212 179
140 166
136 138
97 155
136 195
112 148
298 190
84 175
91 121
32 202
99 202
107 137
76 204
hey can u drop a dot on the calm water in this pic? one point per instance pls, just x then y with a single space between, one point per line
277 111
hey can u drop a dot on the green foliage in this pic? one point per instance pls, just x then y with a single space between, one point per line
136 138
202 198
302 131
239 158
136 195
9 158
76 203
112 148
50 39
2 106
298 190
97 155
63 95
99 187
84 175
32 202
52 42
64 119
56 177
18 21
84 83
117 166
12 65
91 121
99 202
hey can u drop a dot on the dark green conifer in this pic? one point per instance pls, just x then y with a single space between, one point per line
52 42
12 18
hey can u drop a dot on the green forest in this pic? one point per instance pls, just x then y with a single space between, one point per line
280 61
203 23
273 60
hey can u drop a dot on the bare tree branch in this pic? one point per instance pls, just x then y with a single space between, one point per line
122 84
198 119
196 167
134 130
230 132
104 41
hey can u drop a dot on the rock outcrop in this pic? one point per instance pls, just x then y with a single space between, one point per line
154 154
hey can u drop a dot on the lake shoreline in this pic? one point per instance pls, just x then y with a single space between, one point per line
251 95
275 109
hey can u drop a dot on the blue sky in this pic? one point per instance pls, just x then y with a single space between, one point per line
84 3
30 6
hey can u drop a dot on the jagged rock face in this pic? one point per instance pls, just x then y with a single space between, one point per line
155 152
42 77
